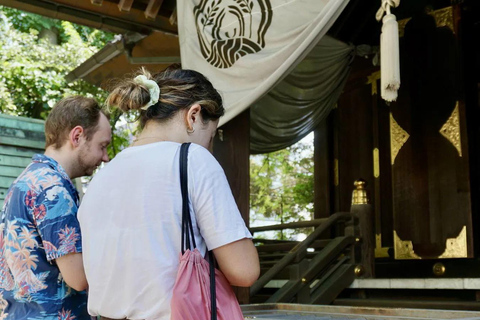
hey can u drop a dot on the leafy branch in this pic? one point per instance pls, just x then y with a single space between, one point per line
211 13
247 7
281 185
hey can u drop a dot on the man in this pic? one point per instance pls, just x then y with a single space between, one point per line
41 267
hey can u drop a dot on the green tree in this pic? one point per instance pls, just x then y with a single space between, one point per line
24 22
281 185
33 67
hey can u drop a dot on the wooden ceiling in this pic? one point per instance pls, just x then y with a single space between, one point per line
154 52
119 16
357 22
355 25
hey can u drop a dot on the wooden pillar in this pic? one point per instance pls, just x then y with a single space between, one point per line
364 213
323 169
296 271
231 148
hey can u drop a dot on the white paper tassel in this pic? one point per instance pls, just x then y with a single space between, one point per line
389 58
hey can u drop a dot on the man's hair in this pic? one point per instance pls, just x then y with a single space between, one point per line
67 114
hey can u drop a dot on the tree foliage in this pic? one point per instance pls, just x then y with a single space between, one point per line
25 22
33 70
281 185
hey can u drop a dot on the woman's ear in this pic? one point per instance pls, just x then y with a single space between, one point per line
75 136
193 116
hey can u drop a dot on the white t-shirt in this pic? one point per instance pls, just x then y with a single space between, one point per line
130 219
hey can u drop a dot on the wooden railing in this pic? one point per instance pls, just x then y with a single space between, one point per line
291 225
330 264
306 269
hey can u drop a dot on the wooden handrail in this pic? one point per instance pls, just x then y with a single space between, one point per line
289 246
291 225
302 246
272 241
316 265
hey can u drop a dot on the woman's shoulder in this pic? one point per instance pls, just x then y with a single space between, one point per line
203 159
196 151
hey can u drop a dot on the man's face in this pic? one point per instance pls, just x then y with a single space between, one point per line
94 151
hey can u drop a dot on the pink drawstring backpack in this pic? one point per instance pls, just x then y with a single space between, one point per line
201 292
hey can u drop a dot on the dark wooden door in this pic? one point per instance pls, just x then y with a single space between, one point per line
428 147
413 152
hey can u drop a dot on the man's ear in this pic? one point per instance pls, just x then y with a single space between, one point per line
193 116
75 136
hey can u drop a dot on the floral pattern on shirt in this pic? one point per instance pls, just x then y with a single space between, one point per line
38 225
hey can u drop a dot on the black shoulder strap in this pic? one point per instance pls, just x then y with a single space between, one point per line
213 293
188 237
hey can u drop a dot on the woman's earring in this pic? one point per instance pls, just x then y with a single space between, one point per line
189 131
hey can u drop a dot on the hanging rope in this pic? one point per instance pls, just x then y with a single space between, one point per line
385 7
389 51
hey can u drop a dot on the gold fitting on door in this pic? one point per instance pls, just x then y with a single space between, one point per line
439 269
359 270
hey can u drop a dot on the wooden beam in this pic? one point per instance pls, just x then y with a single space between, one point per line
107 17
152 9
125 5
111 62
111 10
173 17
291 225
54 11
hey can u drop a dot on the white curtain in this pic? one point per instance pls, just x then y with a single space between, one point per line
245 47
303 99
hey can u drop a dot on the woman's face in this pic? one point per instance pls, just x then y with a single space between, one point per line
205 133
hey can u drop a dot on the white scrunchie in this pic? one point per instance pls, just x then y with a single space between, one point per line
152 87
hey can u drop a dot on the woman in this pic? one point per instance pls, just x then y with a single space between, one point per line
131 215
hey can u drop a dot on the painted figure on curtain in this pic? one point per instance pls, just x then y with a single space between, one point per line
229 30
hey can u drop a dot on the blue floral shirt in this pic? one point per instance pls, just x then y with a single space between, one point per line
39 224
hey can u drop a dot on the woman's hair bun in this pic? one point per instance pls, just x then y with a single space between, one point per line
128 94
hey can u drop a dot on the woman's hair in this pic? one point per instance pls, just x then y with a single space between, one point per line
179 89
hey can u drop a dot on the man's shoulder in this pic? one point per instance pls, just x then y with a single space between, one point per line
41 173
36 179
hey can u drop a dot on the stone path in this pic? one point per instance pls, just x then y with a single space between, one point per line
303 317
321 312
